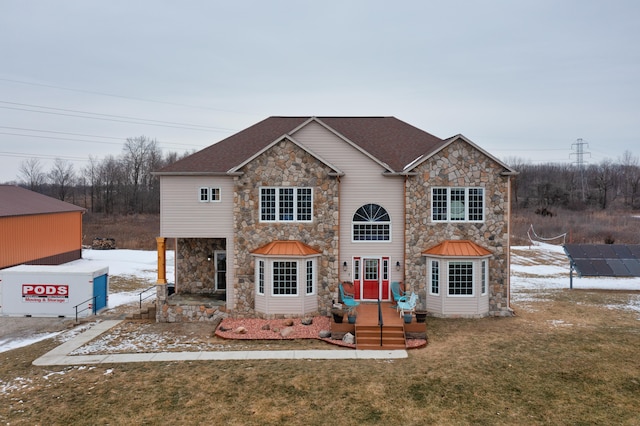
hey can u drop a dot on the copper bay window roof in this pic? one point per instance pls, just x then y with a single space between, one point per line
457 248
292 248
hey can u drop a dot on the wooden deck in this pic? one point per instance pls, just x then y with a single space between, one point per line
367 329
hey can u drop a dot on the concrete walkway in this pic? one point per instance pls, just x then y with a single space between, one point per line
60 355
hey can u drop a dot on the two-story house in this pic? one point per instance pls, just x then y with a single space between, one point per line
271 219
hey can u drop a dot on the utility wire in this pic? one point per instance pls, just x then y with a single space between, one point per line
25 155
106 119
164 143
92 92
143 120
76 140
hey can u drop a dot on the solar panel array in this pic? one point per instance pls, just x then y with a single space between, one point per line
605 260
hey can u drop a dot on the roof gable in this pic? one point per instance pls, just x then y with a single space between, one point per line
389 141
292 140
17 201
449 141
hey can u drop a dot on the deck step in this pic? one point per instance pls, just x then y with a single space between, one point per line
368 337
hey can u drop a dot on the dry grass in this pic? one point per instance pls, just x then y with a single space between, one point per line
564 359
567 360
622 226
137 232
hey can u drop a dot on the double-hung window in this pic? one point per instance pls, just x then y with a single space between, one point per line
286 204
457 204
435 277
209 194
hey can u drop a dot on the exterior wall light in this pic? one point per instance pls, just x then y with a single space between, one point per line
398 265
344 266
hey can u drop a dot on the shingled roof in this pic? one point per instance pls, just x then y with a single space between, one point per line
387 139
17 201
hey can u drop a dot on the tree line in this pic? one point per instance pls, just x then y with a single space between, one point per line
606 185
121 184
125 184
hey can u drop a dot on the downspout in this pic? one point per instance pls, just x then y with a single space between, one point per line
509 242
404 234
339 237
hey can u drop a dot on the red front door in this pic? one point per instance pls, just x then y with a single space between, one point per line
370 278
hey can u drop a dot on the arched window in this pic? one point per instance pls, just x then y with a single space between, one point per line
371 222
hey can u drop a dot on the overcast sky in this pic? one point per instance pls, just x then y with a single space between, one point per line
521 79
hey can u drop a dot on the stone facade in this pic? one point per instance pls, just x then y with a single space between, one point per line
460 165
195 272
189 313
285 165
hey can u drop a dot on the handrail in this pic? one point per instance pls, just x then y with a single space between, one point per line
146 297
380 321
91 306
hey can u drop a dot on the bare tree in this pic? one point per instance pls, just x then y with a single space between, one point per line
31 174
604 179
61 177
137 155
630 178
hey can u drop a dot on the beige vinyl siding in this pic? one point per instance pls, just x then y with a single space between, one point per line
288 305
363 183
464 306
300 304
182 215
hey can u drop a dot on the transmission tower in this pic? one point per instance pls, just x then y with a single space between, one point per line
579 146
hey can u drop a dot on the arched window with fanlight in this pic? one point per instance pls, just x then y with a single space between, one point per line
371 222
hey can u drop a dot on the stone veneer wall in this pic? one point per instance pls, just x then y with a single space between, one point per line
190 313
196 274
460 165
285 165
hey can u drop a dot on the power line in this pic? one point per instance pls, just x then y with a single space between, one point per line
60 133
103 119
92 92
111 117
80 134
48 157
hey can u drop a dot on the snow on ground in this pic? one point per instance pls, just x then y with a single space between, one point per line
9 343
540 269
536 272
131 263
142 264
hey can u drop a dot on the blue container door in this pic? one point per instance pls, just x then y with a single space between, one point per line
100 291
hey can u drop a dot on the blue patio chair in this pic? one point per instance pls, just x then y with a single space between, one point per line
409 305
347 299
398 296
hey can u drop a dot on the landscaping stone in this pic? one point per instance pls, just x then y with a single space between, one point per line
349 338
285 332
